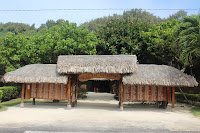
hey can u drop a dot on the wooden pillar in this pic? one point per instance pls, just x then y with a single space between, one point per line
69 93
121 96
22 95
76 94
73 91
173 97
33 101
119 93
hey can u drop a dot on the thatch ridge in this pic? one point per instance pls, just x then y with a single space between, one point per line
162 75
76 64
35 73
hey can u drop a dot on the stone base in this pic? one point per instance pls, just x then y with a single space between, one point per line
69 106
121 108
22 105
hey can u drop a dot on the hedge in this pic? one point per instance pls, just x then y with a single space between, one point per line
1 95
192 97
8 92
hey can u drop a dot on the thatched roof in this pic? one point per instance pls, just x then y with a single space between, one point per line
35 73
76 64
159 75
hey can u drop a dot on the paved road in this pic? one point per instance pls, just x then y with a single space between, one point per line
80 128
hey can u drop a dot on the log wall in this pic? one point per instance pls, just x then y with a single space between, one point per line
46 91
146 93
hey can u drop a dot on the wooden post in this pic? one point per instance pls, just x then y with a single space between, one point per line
122 96
73 91
33 101
22 95
69 93
76 90
173 96
119 93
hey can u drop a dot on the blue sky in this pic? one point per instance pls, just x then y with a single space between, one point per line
81 16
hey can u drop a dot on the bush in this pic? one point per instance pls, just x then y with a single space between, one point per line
192 97
1 95
8 93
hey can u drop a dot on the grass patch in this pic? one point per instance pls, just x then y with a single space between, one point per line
196 111
4 105
2 108
15 102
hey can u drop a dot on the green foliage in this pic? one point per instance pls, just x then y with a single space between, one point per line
174 42
134 14
189 37
161 41
179 15
192 97
8 92
66 39
15 28
1 95
121 36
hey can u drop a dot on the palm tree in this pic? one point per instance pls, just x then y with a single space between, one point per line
189 38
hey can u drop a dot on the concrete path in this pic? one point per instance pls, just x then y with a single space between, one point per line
99 112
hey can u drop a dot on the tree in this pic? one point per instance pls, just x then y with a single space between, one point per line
161 42
134 14
121 36
50 23
179 15
189 37
15 28
19 50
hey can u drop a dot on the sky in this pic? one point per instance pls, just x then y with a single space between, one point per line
81 16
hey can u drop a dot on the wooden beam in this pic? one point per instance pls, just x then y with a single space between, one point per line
173 97
122 96
22 95
69 93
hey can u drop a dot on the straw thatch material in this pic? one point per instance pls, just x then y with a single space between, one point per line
159 75
76 64
35 73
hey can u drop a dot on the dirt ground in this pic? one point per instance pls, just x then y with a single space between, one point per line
101 109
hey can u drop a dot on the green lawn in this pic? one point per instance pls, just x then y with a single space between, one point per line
196 111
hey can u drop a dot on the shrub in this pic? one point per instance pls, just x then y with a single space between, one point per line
1 95
192 97
8 92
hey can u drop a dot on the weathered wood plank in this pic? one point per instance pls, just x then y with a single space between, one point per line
169 94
